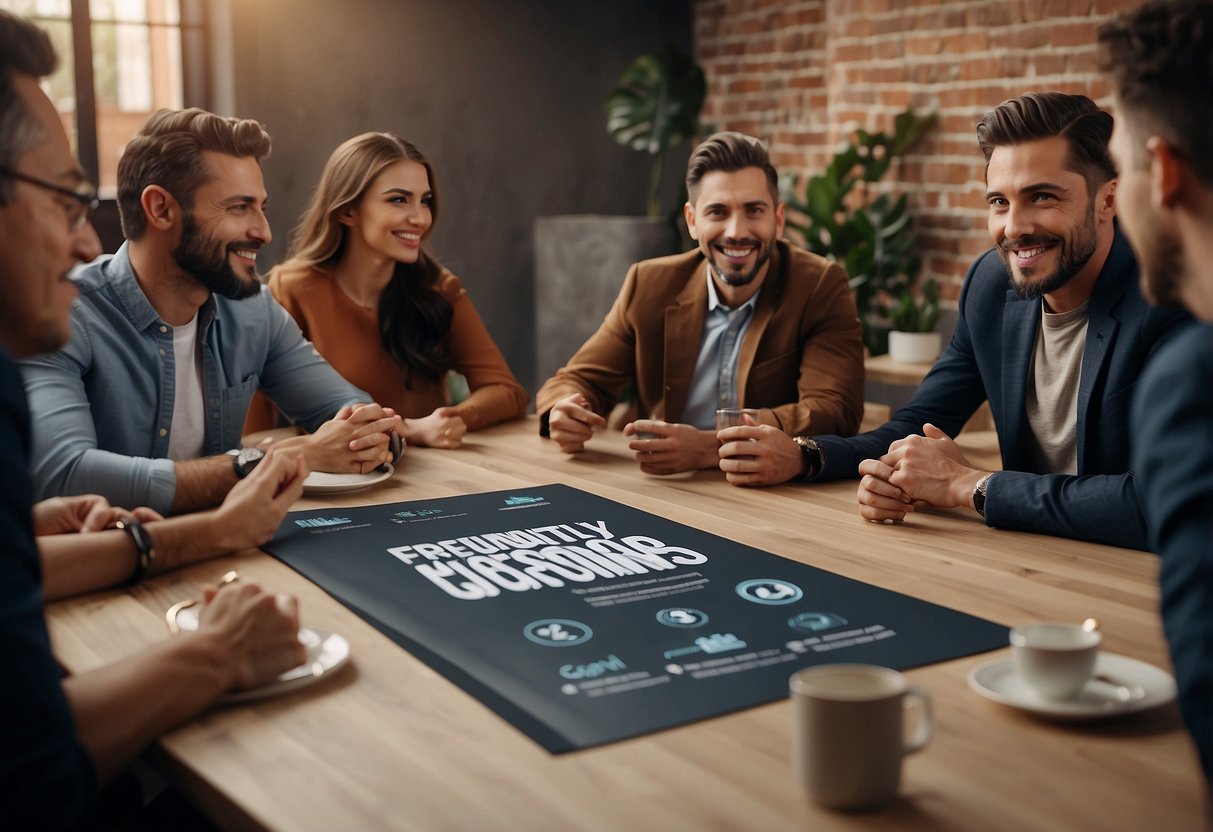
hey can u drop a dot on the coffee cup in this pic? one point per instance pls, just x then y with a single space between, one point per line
728 417
848 732
1055 660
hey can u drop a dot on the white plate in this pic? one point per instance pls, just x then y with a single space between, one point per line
326 654
319 482
1121 686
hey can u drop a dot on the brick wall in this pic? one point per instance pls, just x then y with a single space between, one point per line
802 74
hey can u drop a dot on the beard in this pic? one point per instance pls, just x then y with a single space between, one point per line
206 260
1162 270
736 277
1073 256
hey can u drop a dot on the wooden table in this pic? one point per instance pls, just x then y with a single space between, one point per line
390 744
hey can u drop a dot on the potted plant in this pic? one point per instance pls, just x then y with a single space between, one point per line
581 259
913 338
871 236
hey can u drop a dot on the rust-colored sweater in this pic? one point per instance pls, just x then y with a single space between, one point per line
347 335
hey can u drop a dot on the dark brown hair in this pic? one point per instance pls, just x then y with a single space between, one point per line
729 152
1159 58
26 50
168 152
1043 115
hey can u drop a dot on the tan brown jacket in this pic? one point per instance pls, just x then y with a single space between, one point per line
802 355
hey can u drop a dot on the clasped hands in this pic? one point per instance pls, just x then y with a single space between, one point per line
660 447
355 440
916 471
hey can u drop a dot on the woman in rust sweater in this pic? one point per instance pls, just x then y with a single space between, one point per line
379 307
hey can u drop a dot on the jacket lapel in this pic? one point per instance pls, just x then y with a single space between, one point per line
1102 327
1020 320
683 333
770 295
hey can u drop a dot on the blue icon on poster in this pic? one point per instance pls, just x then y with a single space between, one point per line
684 617
558 632
812 622
769 591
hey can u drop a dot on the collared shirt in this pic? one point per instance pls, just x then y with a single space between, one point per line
103 405
714 384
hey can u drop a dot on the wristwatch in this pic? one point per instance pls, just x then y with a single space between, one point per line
145 550
979 495
811 453
246 460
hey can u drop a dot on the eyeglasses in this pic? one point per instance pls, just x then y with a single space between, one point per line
78 212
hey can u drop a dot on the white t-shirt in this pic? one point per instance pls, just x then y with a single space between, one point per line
187 435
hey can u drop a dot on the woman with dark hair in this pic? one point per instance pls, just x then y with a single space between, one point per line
379 307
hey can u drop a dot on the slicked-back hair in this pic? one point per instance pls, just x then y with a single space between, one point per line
1159 58
24 50
729 152
168 152
1044 115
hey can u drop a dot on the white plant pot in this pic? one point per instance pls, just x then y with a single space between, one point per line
914 347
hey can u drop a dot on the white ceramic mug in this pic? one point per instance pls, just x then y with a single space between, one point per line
848 734
728 417
1055 660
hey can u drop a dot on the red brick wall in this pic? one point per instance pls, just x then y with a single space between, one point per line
802 74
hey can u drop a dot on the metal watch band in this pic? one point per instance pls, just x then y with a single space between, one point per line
979 495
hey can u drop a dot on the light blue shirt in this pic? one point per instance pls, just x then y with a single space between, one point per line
714 383
102 407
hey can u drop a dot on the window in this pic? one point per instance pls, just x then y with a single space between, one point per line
119 61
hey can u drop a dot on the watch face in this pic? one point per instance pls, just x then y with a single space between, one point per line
249 457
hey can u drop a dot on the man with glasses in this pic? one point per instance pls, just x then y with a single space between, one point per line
63 738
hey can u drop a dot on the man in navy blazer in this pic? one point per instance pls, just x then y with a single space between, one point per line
1052 330
1158 58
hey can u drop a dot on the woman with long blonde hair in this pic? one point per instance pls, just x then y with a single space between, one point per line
379 307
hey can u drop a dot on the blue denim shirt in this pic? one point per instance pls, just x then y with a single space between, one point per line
102 406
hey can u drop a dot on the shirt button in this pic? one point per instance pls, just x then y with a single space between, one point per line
163 432
163 328
162 352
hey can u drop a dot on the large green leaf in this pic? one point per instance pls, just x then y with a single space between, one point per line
656 105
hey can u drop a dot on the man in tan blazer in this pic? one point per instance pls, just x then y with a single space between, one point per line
745 320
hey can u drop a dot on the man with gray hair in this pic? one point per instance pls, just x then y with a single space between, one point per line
62 739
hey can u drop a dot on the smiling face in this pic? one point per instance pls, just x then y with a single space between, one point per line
1042 218
221 235
393 215
38 247
736 222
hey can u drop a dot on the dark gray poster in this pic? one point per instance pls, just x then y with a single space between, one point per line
582 621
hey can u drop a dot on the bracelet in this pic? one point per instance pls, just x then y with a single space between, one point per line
145 550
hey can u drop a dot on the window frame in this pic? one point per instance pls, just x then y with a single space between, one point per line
196 89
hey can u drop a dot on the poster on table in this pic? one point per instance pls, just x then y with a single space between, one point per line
582 621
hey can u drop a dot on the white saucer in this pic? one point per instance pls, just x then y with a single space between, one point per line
319 482
1121 686
326 653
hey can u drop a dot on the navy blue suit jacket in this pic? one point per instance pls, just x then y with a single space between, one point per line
990 356
1173 461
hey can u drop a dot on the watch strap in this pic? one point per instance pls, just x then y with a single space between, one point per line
145 550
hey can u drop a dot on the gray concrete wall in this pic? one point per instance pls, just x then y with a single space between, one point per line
506 98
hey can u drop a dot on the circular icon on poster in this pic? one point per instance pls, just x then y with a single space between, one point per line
769 591
684 617
558 632
568 690
812 622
